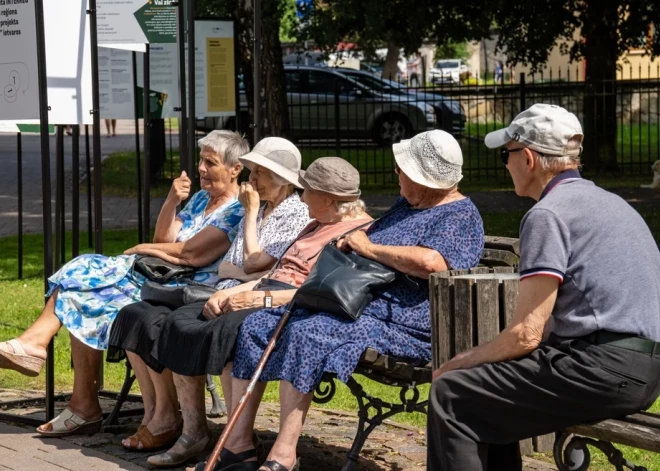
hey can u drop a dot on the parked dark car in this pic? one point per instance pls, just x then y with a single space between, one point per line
314 95
449 113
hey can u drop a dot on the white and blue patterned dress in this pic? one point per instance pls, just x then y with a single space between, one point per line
93 288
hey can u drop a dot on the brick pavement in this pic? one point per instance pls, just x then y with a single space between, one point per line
323 446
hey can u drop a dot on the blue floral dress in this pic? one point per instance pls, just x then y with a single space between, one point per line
395 323
93 288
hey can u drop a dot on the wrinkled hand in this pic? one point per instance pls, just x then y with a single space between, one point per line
212 308
249 198
180 188
243 300
138 249
357 241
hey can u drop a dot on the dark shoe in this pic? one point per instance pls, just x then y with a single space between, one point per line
171 459
233 461
277 466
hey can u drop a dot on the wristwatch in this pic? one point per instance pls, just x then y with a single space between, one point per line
268 300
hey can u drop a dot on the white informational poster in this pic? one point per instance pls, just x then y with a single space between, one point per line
116 82
136 21
19 90
215 75
68 62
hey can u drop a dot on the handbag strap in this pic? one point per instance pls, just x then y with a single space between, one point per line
334 241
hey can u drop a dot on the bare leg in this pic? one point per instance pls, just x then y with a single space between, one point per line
293 410
86 365
226 382
146 386
37 337
166 414
191 391
240 438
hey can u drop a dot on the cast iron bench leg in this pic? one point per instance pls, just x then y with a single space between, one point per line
129 379
218 408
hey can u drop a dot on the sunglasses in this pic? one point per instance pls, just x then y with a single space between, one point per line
505 153
397 170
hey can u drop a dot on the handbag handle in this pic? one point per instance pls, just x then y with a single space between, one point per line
336 239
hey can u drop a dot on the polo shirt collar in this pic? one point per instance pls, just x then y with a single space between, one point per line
571 174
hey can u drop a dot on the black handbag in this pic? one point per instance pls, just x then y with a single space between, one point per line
344 283
158 270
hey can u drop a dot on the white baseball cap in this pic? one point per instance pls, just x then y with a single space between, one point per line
278 155
432 159
543 128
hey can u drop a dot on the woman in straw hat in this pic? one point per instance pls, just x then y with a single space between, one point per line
259 241
198 339
436 229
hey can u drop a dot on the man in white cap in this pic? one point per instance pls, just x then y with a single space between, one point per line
583 344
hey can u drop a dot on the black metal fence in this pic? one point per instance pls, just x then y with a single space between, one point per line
358 116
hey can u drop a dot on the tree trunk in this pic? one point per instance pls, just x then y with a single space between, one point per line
274 109
391 68
600 114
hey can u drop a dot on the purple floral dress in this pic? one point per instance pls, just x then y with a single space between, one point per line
395 323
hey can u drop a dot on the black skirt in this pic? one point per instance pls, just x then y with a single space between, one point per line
180 339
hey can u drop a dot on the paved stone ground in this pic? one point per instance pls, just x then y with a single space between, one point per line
323 446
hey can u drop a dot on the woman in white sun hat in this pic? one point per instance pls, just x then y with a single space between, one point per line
431 228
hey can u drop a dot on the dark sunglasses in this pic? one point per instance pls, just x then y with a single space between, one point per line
505 153
397 170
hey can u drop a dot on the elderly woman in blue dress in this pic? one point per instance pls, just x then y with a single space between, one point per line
86 293
437 229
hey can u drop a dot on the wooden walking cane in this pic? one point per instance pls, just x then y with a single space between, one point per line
210 462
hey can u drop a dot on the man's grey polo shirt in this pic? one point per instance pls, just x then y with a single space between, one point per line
605 256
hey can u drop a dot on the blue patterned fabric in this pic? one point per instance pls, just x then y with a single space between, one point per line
93 288
396 322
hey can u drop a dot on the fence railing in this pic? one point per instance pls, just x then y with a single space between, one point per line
334 112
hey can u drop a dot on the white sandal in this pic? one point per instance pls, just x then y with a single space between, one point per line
70 423
18 361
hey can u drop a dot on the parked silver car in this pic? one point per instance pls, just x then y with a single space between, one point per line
315 95
324 103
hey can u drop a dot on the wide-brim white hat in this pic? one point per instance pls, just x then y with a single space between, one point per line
432 159
278 155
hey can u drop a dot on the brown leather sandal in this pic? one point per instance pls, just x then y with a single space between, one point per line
152 442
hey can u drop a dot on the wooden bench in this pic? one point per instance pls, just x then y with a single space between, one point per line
471 309
500 254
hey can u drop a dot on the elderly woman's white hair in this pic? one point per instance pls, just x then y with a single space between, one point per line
229 145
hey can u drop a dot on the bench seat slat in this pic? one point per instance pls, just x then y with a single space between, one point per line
624 431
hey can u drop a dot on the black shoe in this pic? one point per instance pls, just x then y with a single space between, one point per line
233 461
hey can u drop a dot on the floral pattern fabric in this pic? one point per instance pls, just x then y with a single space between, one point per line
92 288
396 322
275 234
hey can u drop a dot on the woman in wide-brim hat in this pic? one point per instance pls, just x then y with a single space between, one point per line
258 241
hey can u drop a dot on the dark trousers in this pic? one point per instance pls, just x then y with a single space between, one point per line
477 416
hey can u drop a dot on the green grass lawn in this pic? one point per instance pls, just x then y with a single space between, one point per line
22 301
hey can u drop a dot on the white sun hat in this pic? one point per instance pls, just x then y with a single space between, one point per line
278 155
432 159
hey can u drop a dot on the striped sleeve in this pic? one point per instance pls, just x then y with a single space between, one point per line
544 245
